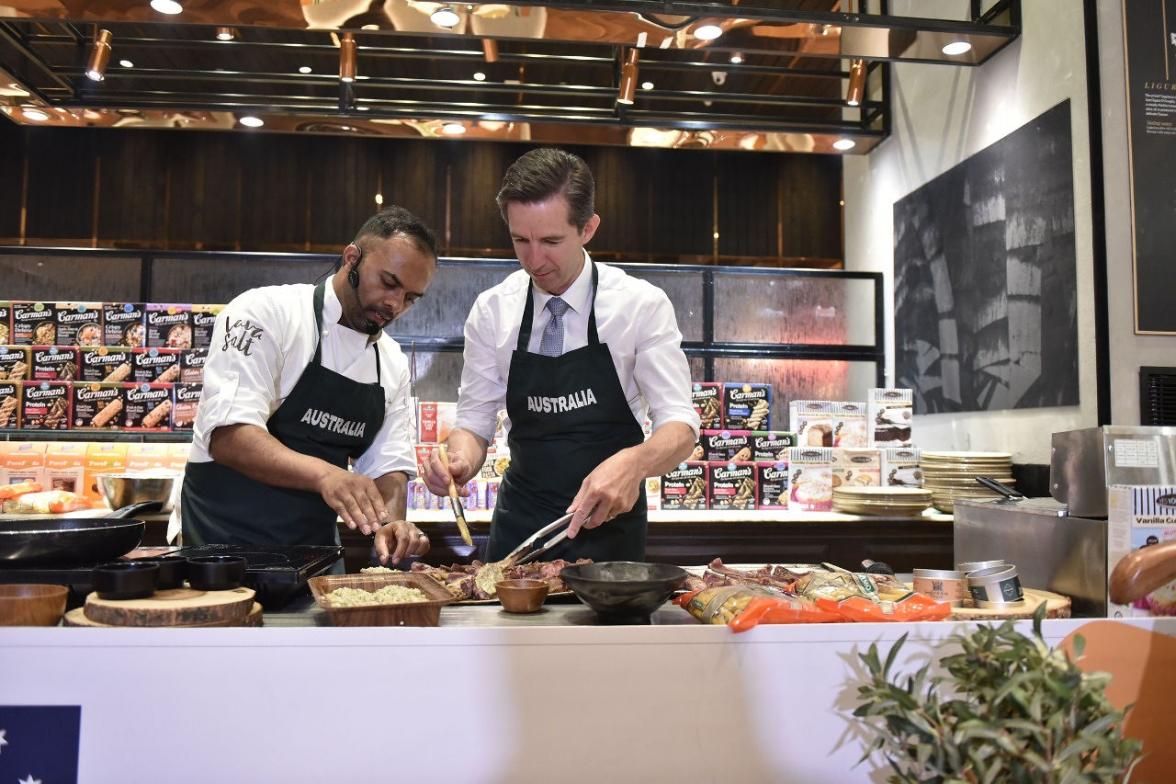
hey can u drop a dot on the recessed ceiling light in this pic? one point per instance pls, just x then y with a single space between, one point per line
445 17
736 57
252 121
957 47
479 76
844 144
304 69
126 63
36 115
225 34
345 127
453 129
169 7
647 85
707 32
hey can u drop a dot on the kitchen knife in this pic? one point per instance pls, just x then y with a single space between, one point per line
454 500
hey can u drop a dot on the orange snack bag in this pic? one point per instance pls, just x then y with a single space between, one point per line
912 607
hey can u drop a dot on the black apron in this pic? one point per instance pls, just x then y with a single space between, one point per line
327 416
568 414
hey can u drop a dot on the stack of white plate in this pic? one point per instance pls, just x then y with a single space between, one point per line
896 501
951 476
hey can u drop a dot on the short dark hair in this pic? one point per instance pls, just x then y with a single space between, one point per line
545 172
397 220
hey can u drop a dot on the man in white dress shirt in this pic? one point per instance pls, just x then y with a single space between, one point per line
301 380
578 353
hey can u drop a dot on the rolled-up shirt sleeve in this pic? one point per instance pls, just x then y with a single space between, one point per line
483 389
392 450
242 375
660 369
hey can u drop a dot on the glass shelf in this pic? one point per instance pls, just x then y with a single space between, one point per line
130 437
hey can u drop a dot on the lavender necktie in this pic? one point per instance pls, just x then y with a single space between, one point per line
551 343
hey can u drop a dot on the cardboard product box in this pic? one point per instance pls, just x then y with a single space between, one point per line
733 485
192 362
5 323
112 364
1140 516
496 462
65 467
22 461
155 364
203 321
772 485
492 488
148 457
97 406
686 487
33 324
890 414
813 421
79 323
857 467
900 467
124 324
722 446
53 363
186 402
652 493
177 456
102 458
771 445
14 363
850 429
434 421
169 326
45 405
423 454
10 395
707 397
147 406
810 483
747 406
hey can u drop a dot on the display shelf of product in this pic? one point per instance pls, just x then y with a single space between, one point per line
121 436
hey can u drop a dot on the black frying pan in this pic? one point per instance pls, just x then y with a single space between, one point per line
70 541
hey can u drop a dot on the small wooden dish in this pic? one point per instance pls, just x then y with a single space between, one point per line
30 604
522 595
426 613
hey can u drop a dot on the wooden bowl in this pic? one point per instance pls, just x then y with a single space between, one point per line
522 595
31 604
426 613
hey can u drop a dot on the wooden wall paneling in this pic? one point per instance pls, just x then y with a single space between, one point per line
12 154
810 213
132 188
413 177
682 188
60 194
273 191
477 175
747 203
345 177
622 199
204 202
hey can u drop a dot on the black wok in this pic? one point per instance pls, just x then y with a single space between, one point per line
71 541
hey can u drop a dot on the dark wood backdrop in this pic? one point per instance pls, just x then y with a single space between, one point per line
258 192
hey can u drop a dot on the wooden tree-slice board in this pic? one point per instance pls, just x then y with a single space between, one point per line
77 617
1056 606
175 607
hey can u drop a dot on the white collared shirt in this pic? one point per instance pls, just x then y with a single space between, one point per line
271 342
634 317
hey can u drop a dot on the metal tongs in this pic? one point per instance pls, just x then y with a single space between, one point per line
524 552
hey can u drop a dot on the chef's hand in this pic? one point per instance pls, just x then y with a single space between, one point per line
611 489
396 540
355 498
436 477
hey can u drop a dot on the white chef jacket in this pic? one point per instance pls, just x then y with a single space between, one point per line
634 317
242 388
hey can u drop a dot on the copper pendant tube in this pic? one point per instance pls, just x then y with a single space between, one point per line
490 50
856 92
628 86
99 56
347 58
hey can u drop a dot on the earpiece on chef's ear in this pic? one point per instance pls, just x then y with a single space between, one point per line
353 273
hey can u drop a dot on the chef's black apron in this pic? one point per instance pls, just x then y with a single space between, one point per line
327 416
568 414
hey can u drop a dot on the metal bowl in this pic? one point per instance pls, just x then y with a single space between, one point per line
121 490
624 588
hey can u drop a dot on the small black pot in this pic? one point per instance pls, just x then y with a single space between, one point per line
216 572
172 570
125 580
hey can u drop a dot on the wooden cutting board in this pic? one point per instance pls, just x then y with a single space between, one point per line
1056 606
77 617
175 607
